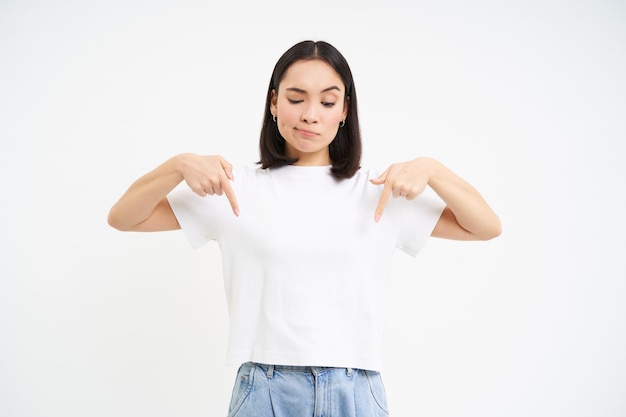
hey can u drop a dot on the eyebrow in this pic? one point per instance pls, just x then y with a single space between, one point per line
299 90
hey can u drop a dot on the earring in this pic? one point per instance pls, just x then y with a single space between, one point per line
274 118
343 123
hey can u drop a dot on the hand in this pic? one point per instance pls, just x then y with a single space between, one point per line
404 179
209 175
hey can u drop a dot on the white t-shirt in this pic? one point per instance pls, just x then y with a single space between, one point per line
305 266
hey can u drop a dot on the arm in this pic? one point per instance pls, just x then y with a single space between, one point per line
466 217
144 206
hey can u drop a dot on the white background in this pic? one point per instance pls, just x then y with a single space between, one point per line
525 99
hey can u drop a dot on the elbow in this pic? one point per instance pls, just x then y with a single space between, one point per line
492 231
115 222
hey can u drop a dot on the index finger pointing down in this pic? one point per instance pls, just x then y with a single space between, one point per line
382 202
230 194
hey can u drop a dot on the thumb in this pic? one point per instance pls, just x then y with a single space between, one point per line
228 168
381 178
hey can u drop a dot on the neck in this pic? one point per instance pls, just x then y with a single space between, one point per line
317 159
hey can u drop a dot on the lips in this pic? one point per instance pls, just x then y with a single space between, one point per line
306 133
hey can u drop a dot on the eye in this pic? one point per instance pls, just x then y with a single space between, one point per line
327 104
294 101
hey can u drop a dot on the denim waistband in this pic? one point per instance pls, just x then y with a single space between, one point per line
315 370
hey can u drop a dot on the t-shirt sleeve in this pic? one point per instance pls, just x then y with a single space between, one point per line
194 214
415 219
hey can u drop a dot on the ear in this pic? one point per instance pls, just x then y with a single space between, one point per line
346 107
273 101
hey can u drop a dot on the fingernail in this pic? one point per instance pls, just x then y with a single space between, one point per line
376 217
236 211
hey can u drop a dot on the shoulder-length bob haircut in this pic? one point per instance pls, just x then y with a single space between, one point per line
345 149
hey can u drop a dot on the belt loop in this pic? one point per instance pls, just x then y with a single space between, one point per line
349 372
270 371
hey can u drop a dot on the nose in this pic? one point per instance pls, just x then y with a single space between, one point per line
309 113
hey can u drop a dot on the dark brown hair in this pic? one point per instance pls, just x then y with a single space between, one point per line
345 149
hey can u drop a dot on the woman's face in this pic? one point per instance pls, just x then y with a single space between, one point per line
309 106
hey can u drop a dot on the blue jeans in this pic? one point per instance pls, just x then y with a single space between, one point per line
303 391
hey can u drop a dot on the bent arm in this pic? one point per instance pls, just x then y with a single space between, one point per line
467 215
144 207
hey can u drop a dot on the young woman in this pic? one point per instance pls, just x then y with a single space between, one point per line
307 237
